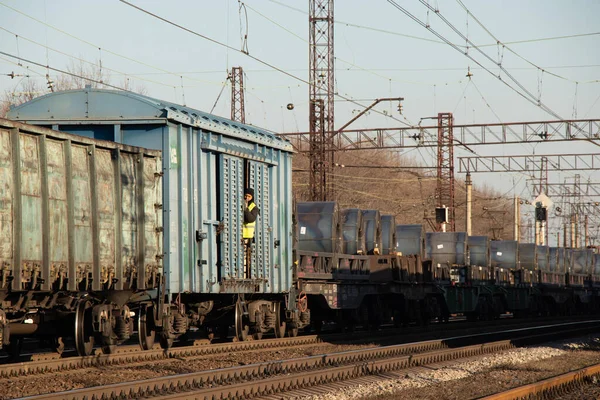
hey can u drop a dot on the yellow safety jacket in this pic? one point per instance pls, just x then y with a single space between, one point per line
248 230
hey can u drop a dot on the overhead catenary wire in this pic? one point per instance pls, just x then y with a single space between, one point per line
257 59
532 99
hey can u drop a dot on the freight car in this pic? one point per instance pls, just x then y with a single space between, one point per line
207 162
80 236
316 265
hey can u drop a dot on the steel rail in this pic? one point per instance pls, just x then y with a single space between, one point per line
43 363
277 376
551 387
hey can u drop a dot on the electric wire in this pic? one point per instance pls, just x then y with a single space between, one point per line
259 60
531 97
99 47
80 59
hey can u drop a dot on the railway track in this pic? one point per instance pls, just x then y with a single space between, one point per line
552 388
42 363
266 379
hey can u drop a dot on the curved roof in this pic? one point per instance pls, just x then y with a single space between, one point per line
94 105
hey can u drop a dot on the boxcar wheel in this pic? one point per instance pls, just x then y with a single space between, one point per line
84 339
146 332
280 325
241 326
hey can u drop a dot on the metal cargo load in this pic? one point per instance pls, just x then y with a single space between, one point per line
596 268
77 213
580 261
447 248
553 265
528 256
388 234
372 229
410 240
542 257
504 254
479 250
318 227
352 231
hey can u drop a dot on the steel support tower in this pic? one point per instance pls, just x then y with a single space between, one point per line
445 167
238 110
321 96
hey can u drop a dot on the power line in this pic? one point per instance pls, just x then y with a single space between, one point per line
428 27
65 72
99 47
80 59
265 63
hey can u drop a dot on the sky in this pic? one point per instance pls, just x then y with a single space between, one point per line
550 48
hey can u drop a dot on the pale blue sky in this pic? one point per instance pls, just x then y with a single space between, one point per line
373 59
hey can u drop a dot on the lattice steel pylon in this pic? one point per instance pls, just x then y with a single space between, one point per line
321 96
238 110
445 167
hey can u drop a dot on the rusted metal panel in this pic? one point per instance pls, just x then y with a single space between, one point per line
31 211
82 214
105 210
59 217
6 206
58 239
129 214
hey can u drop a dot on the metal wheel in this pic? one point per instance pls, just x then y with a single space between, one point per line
84 339
146 332
280 325
241 325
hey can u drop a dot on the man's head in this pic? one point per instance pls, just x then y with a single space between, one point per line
248 194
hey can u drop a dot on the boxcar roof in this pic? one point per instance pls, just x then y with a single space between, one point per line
93 106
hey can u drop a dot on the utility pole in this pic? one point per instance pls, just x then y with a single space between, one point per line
469 184
321 96
517 212
238 110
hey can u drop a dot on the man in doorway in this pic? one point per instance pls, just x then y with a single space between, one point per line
250 213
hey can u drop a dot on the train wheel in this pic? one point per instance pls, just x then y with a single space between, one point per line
146 332
84 339
280 325
241 325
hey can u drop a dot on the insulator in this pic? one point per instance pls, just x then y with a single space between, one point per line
180 324
305 317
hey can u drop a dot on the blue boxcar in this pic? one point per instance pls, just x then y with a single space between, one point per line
207 161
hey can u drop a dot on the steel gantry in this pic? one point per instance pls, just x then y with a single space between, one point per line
530 163
238 111
321 95
445 166
474 134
